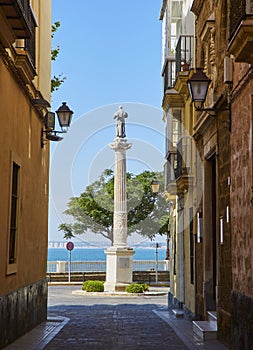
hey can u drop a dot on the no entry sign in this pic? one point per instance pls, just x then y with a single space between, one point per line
70 245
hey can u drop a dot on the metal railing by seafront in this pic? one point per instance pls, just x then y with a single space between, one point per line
100 266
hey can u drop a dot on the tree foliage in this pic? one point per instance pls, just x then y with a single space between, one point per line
93 209
56 80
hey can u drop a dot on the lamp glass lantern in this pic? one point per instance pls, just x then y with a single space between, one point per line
198 86
155 186
50 121
64 116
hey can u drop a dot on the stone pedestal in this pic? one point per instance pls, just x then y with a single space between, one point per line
119 268
119 256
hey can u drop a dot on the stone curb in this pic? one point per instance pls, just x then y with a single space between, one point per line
119 294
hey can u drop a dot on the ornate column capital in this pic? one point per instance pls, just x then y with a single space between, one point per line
120 144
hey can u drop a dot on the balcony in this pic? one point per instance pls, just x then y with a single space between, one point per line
18 15
184 176
182 61
169 73
28 44
184 53
170 171
241 30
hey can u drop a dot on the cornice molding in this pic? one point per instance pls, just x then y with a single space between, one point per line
172 98
28 89
181 83
197 6
163 8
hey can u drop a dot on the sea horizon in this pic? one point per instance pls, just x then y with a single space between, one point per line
102 245
98 254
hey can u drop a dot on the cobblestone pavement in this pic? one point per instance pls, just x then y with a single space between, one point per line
110 323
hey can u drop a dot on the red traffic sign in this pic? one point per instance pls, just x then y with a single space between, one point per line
70 245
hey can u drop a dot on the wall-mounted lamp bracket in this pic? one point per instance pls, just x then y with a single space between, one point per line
198 86
48 133
211 111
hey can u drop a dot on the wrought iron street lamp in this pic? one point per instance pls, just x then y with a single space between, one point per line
198 86
64 115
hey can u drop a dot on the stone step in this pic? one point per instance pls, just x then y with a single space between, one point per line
212 315
178 313
205 329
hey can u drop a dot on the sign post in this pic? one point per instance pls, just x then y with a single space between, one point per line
156 261
70 246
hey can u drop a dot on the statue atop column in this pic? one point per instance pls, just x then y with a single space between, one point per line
120 124
119 257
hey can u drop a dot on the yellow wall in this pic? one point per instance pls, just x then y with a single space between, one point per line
43 14
20 140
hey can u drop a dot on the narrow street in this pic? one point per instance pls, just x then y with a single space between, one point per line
110 322
116 322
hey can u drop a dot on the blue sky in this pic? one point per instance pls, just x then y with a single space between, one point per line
110 53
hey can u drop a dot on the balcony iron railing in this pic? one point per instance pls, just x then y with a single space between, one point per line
183 60
184 53
29 44
169 74
18 14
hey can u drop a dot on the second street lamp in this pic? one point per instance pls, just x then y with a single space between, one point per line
155 186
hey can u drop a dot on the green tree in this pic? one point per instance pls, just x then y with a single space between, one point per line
93 209
57 80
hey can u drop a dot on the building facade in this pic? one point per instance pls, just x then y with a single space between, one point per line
25 61
240 48
209 180
181 155
212 136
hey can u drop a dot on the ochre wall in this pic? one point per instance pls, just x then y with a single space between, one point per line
23 285
21 129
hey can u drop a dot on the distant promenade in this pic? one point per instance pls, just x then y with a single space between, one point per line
100 266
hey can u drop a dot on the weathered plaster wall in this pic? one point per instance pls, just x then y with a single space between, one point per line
22 310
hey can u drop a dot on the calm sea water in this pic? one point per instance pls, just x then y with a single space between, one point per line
98 254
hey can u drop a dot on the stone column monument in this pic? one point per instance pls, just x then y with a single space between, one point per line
119 256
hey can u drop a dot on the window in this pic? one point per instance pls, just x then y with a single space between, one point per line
14 212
